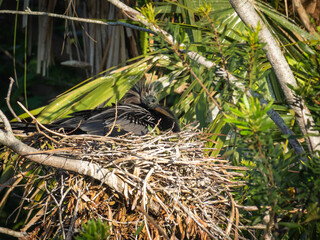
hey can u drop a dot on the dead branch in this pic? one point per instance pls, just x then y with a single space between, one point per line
8 100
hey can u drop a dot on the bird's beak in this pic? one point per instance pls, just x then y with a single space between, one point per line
164 112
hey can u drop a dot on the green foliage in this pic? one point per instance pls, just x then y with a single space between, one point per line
105 89
139 230
279 184
251 118
149 12
205 9
94 230
309 90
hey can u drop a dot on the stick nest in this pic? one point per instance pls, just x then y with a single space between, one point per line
171 188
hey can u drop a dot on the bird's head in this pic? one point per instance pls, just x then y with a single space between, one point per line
141 93
144 95
150 101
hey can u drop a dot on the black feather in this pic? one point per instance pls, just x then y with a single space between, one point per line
139 110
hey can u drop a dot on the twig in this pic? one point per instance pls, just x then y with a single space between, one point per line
34 219
190 214
8 99
144 199
10 189
258 226
236 234
227 232
40 124
10 181
146 215
248 208
114 122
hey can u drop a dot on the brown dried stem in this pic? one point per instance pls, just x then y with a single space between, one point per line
8 100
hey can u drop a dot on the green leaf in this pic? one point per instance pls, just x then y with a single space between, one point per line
289 224
245 133
93 93
139 229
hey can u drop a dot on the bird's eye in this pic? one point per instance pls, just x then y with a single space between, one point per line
153 100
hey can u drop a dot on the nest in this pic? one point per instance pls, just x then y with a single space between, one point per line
171 189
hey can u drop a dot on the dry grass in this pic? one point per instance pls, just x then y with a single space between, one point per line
172 188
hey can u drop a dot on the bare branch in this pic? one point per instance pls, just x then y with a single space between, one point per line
38 123
144 199
86 20
7 126
232 214
137 16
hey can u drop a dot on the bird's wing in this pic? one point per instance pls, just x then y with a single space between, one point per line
119 120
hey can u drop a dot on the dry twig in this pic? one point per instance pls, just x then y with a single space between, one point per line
8 100
181 191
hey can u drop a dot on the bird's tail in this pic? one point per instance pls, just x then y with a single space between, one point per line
27 129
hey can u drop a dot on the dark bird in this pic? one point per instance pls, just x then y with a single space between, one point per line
137 112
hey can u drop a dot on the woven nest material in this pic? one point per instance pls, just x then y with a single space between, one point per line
172 189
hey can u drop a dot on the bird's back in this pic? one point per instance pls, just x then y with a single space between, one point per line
114 121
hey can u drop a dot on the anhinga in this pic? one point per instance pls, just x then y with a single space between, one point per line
137 112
